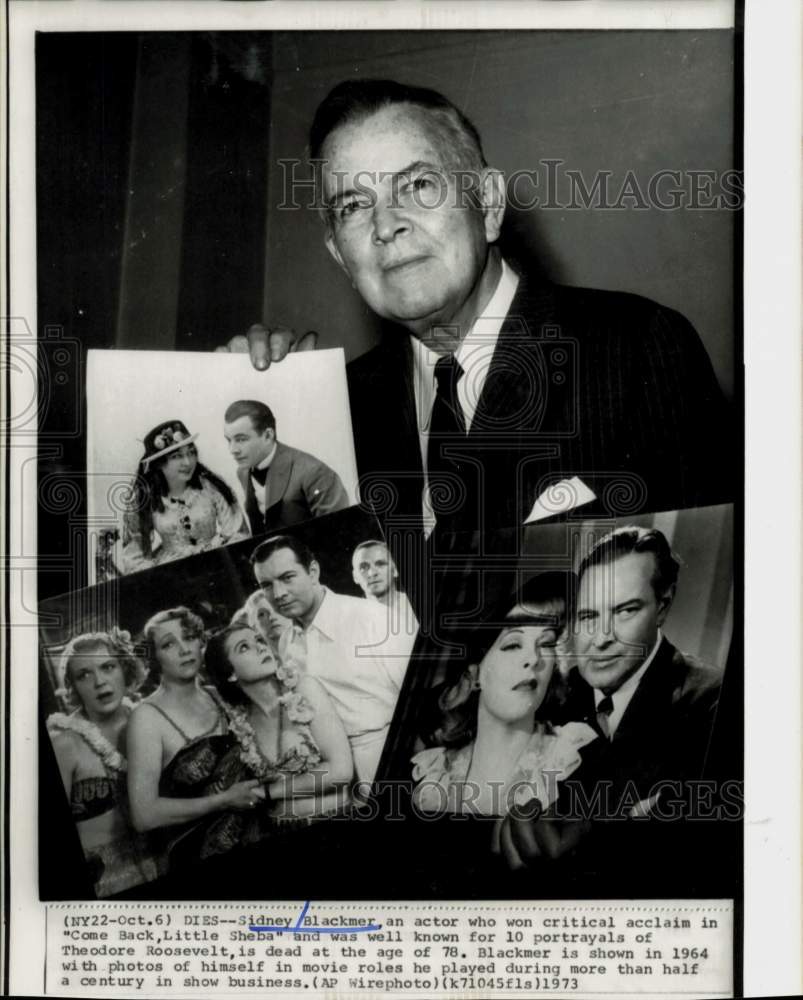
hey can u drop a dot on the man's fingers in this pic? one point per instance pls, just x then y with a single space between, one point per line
307 343
508 848
237 345
556 838
281 341
259 346
523 837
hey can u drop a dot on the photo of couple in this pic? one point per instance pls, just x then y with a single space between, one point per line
222 473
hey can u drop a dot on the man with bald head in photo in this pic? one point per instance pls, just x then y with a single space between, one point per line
491 384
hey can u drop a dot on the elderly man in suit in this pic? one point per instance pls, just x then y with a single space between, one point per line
282 485
492 384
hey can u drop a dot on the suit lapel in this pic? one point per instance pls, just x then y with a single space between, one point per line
651 700
514 422
278 477
515 387
251 506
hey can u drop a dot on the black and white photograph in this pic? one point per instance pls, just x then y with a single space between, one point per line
194 465
203 707
385 523
580 707
534 297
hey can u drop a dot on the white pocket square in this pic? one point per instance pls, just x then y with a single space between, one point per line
560 497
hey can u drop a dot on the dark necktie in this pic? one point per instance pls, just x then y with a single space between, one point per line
447 427
604 710
261 475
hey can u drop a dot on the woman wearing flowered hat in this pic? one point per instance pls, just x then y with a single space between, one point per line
179 507
99 675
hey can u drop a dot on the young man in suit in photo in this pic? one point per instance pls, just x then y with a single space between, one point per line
282 485
653 705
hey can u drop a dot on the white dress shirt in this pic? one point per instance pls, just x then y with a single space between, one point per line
360 662
622 696
473 355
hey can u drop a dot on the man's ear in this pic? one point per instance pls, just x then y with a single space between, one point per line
270 434
664 604
315 570
493 201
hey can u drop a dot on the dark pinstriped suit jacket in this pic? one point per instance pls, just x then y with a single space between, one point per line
607 386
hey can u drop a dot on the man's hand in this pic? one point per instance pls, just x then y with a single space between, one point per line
521 840
268 345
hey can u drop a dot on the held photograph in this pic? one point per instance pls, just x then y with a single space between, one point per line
582 717
228 702
403 196
185 457
389 521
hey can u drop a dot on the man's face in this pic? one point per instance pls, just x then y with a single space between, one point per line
247 446
618 617
412 244
289 587
373 570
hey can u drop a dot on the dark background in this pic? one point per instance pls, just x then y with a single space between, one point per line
159 189
158 186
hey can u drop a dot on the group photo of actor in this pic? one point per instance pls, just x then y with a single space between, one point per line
204 724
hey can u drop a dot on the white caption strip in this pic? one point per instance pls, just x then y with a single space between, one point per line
661 949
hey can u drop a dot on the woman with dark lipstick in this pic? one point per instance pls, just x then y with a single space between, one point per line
179 506
288 731
497 748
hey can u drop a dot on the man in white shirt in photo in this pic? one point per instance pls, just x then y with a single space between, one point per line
344 642
375 573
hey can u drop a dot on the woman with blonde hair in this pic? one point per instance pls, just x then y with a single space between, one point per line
495 744
99 676
184 777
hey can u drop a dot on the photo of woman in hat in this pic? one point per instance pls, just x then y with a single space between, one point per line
179 507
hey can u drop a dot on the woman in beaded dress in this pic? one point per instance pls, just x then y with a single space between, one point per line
185 777
99 674
179 506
